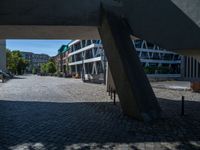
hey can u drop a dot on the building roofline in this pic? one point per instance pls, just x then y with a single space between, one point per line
73 42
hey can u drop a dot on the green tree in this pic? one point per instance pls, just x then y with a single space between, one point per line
51 67
43 68
48 67
34 71
15 63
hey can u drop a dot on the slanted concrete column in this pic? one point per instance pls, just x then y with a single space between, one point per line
3 55
136 96
110 83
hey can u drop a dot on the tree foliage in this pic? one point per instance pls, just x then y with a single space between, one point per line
49 67
15 63
43 69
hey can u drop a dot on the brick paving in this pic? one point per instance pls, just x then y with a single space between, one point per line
48 113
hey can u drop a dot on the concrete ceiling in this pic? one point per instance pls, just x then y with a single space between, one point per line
172 24
48 32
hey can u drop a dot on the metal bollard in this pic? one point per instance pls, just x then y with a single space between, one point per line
183 106
111 93
3 79
109 90
114 97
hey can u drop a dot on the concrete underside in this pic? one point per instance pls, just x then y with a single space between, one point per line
172 24
49 32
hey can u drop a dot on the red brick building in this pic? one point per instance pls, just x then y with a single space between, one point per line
61 59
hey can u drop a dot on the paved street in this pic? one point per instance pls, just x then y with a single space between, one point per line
48 113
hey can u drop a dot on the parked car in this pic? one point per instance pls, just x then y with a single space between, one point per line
10 74
4 75
67 75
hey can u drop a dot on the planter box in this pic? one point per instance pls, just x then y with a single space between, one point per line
195 86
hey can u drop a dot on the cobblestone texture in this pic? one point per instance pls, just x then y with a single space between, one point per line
47 113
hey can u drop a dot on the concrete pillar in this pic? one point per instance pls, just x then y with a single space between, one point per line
76 70
3 55
183 66
136 96
197 69
190 67
194 61
187 67
83 57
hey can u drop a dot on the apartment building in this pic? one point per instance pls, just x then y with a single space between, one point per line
61 59
158 62
35 60
190 68
86 57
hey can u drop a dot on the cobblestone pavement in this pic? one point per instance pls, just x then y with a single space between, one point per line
47 113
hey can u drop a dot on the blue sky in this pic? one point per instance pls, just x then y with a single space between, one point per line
49 47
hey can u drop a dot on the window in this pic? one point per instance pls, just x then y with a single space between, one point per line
94 41
150 45
89 42
144 55
138 43
83 43
88 54
156 56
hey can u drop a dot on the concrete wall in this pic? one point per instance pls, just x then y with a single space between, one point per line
2 54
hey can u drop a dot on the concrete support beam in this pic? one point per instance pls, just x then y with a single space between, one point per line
110 83
134 90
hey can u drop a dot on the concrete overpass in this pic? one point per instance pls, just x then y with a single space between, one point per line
172 24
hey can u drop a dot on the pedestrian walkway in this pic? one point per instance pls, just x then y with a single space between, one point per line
48 113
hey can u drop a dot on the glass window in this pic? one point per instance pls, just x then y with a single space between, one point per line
156 56
144 55
138 43
150 45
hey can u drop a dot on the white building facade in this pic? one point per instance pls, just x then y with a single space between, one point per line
3 55
87 57
190 68
158 62
35 60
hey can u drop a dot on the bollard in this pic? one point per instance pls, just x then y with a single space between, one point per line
111 93
182 106
114 97
109 90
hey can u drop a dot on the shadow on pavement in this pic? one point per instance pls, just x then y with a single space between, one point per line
17 77
93 125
